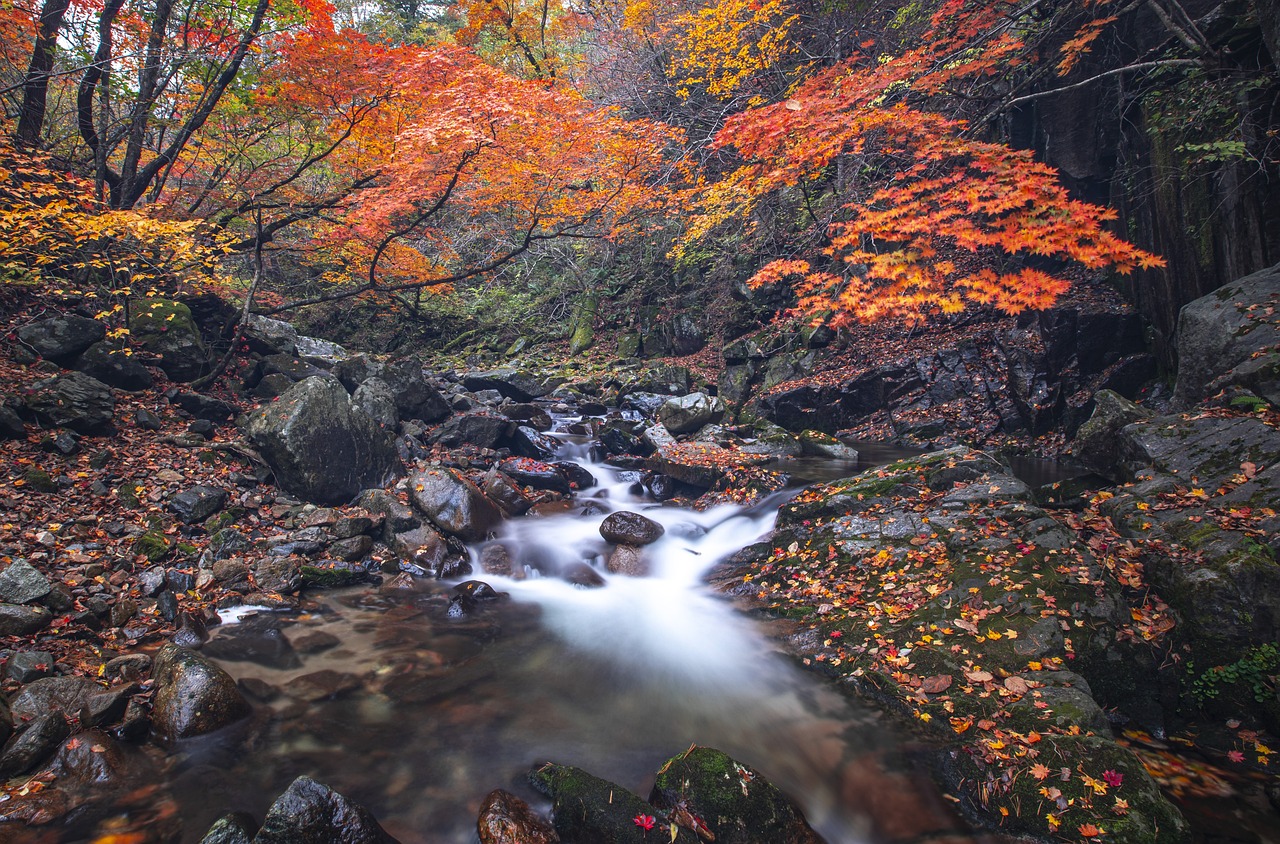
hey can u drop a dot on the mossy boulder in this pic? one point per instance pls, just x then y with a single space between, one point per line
153 545
589 810
733 801
166 328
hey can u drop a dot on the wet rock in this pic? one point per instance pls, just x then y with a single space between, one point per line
107 707
22 583
11 425
335 574
506 819
583 575
166 328
628 560
579 477
19 620
530 414
626 528
33 745
454 504
198 503
533 473
1221 330
74 401
271 386
319 446
205 407
479 429
151 581
258 640
735 803
511 383
415 397
587 808
619 441
62 337
129 666
282 575
326 684
167 605
6 721
818 444
351 549
315 642
268 336
146 420
1097 443
478 590
348 527
192 695
496 559
503 491
528 442
108 363
235 828
26 666
687 414
375 398
311 813
52 694
398 516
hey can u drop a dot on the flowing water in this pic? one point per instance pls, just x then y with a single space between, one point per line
434 712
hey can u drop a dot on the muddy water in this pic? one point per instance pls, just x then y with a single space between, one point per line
418 715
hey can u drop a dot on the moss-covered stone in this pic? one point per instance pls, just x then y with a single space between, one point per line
732 800
38 480
586 808
153 545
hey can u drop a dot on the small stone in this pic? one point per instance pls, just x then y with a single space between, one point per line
22 583
26 666
626 528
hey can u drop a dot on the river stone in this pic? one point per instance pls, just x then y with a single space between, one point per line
1218 331
587 808
377 400
686 414
193 696
737 804
166 328
6 721
529 442
34 744
27 666
504 492
819 444
479 429
582 575
506 819
454 504
110 364
19 620
74 400
198 503
53 694
1097 443
311 813
628 560
235 828
320 447
534 473
414 396
511 383
627 528
22 583
62 337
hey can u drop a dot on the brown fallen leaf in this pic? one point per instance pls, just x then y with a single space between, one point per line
979 676
1017 685
937 684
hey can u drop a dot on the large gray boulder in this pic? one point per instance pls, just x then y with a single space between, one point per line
513 384
415 397
1224 329
193 696
113 365
454 504
1097 443
61 338
320 446
312 813
686 414
73 400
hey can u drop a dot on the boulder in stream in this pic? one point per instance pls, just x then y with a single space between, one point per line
627 528
454 504
312 813
506 819
587 808
193 696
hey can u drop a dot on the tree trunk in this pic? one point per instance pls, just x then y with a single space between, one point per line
35 88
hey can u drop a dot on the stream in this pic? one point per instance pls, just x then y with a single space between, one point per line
418 715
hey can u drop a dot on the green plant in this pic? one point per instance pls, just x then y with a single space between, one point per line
1250 404
1256 671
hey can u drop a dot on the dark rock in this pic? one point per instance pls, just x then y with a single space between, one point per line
290 367
203 428
375 398
147 421
737 804
506 819
355 370
415 397
619 441
198 503
129 666
52 694
335 574
192 695
511 383
687 414
18 620
107 707
643 402
351 549
74 401
22 583
166 328
503 491
478 590
579 478
315 642
626 528
151 581
496 559
235 828
62 337
113 366
272 385
311 813
528 442
533 473
205 407
583 575
33 745
282 575
325 684
167 605
478 429
398 517
628 560
258 639
26 666
530 414
268 336
587 808
61 442
1219 331
454 504
11 425
348 527
1097 442
319 446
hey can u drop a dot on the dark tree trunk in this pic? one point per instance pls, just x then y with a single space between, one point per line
35 88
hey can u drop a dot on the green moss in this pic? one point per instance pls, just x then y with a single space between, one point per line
330 577
128 493
39 481
153 544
